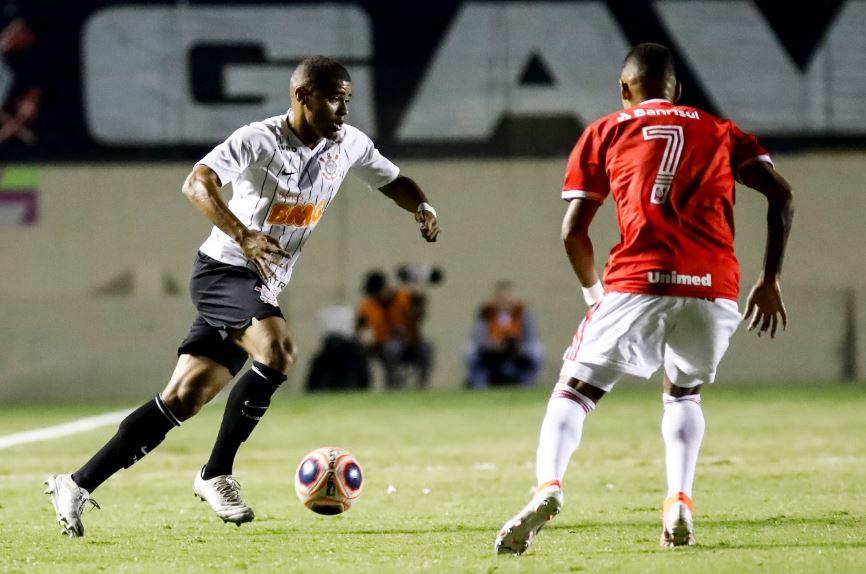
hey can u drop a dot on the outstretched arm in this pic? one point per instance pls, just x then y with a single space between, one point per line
765 306
202 187
578 246
406 193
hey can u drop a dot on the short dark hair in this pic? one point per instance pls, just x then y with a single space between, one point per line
651 61
323 72
375 282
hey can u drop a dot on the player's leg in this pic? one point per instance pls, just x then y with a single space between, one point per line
268 341
569 404
603 350
693 351
683 431
194 382
272 349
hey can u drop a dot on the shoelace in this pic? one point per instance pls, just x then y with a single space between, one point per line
82 499
228 488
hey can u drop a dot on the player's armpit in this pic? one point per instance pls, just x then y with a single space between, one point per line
763 178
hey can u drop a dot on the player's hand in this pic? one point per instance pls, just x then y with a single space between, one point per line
764 307
429 225
263 250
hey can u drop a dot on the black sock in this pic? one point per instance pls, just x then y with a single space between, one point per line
138 434
246 404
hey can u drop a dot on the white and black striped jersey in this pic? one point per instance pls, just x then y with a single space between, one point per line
282 188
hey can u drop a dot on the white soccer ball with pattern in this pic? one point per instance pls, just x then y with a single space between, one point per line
329 480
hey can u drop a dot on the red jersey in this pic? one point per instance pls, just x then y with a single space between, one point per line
671 172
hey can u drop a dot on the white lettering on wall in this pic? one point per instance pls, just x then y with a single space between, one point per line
136 72
473 80
750 77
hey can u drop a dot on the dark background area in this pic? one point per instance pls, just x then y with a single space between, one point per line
402 51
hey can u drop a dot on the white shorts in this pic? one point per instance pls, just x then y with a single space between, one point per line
635 334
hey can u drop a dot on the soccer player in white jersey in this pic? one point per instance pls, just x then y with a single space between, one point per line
670 286
284 172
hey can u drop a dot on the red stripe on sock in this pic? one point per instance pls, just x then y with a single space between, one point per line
577 398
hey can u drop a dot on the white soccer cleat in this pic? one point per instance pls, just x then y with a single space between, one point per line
224 496
517 534
677 525
68 500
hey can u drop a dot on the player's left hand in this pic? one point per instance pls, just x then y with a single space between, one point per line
765 307
429 225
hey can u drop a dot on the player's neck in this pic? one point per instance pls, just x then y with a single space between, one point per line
303 131
306 134
640 99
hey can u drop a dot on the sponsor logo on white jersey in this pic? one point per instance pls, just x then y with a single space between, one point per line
674 278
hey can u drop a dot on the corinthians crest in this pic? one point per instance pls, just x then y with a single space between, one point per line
330 166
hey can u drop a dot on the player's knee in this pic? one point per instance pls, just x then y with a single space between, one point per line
279 354
184 402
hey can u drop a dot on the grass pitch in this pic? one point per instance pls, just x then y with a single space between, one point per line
781 487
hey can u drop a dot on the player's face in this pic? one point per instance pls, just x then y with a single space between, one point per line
327 108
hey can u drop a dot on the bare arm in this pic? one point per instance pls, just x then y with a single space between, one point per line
578 246
764 305
405 192
202 188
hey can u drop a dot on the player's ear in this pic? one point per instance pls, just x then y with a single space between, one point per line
678 92
624 91
301 94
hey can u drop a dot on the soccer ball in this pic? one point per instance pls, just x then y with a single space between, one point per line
329 480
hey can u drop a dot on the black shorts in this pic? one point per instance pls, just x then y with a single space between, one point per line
227 298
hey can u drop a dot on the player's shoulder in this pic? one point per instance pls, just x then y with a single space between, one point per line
353 136
270 129
264 133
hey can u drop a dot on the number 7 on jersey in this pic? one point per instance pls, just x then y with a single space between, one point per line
673 136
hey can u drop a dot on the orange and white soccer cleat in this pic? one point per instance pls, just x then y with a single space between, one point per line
677 525
517 534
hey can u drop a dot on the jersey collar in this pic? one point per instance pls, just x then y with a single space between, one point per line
656 101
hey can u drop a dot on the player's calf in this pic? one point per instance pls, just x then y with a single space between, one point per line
245 407
138 434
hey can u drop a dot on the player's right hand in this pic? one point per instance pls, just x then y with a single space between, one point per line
263 250
429 225
765 307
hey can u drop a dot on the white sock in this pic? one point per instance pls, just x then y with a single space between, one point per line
560 432
683 430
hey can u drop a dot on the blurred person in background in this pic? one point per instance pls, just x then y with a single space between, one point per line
341 362
20 92
504 347
389 324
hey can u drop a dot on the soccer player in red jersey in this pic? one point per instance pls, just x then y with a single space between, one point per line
670 286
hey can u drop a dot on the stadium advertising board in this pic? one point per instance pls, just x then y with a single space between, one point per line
118 81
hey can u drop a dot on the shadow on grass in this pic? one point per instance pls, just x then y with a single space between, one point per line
770 521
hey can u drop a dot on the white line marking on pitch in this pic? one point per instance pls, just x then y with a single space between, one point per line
65 429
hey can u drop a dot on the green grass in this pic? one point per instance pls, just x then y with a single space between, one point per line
781 487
